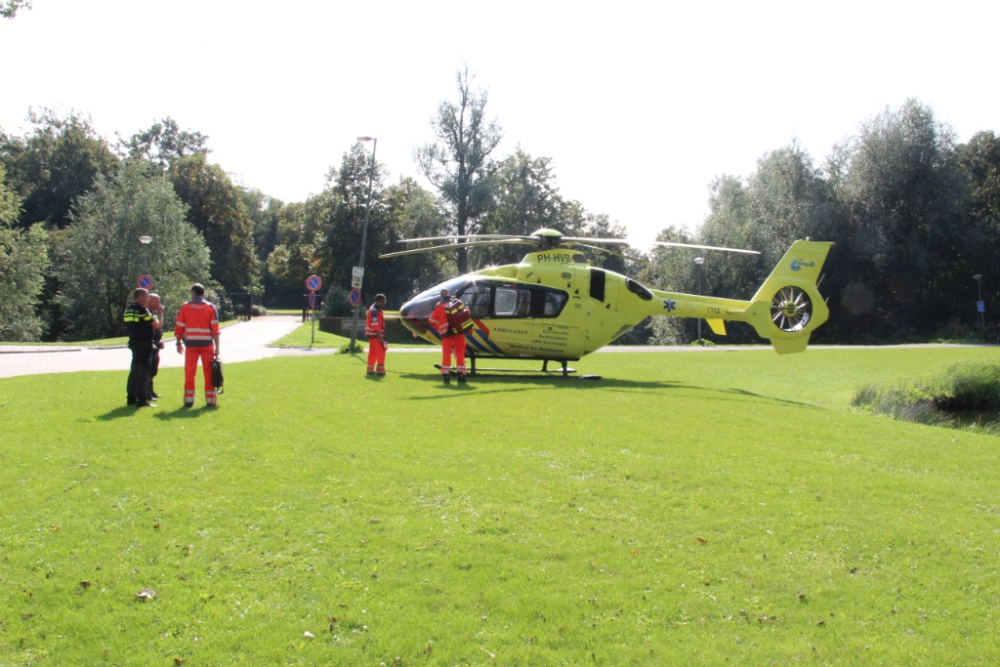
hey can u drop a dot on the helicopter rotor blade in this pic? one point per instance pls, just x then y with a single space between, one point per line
593 240
455 237
451 246
609 252
704 247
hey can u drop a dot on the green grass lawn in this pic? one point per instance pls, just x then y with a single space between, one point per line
302 337
716 508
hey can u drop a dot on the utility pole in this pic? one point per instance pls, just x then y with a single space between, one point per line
699 261
364 237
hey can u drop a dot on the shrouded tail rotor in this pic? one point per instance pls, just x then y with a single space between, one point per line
791 309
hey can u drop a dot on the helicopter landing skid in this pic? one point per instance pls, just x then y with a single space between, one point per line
515 372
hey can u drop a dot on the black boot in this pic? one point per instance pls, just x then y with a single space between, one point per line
446 378
461 378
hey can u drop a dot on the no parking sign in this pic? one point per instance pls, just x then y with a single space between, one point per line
355 296
145 282
313 283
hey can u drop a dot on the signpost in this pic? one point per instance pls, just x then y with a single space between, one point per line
357 275
145 282
313 283
981 306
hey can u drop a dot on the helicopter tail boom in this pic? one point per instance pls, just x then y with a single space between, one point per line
785 310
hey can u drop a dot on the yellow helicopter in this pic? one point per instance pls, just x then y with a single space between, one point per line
554 306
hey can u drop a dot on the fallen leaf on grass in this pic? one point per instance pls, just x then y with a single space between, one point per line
634 553
701 540
55 528
146 594
84 584
178 661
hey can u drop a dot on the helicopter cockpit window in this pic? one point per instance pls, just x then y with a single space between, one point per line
512 302
477 298
637 289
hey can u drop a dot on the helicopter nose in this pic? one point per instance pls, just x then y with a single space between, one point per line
414 315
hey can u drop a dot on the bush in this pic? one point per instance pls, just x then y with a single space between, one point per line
967 395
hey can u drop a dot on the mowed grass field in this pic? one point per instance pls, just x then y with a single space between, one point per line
697 508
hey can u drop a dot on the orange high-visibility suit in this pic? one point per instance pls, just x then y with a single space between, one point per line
197 322
375 331
451 338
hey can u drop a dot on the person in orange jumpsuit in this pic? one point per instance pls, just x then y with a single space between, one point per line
452 338
375 331
198 328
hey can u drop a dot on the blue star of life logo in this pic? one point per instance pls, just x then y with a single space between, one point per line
669 305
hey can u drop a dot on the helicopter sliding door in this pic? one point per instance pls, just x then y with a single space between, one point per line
526 322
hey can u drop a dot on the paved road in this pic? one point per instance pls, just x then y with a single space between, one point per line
249 341
244 341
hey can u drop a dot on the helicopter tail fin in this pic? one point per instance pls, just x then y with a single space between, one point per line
788 306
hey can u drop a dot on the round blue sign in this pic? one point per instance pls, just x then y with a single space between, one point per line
355 296
313 283
145 282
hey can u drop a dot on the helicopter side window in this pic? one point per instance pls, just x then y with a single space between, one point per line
638 289
512 302
554 302
477 299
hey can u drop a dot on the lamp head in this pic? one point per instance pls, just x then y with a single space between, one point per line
699 260
365 138
145 239
978 277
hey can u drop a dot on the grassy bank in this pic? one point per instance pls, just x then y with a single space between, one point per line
691 508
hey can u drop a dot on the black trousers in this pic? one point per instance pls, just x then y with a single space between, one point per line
139 376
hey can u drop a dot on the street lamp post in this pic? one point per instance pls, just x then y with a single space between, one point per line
145 241
364 235
698 262
980 306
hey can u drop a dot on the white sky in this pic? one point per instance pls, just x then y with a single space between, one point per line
640 104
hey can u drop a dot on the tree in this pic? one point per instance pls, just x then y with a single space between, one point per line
54 165
101 257
907 234
163 143
458 164
216 209
23 262
9 8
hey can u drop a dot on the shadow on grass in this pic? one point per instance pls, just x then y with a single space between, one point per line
502 384
117 413
184 413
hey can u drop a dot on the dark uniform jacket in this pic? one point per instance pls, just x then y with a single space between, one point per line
139 325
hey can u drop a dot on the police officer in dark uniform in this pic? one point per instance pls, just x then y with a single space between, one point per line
139 324
156 308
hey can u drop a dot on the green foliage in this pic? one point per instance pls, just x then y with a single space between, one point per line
216 209
9 8
459 162
962 396
54 165
23 262
539 530
101 256
164 143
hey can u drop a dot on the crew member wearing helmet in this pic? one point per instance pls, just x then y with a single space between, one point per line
451 319
375 331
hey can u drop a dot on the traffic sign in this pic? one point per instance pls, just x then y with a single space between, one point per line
355 296
145 282
312 299
357 275
313 283
981 306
